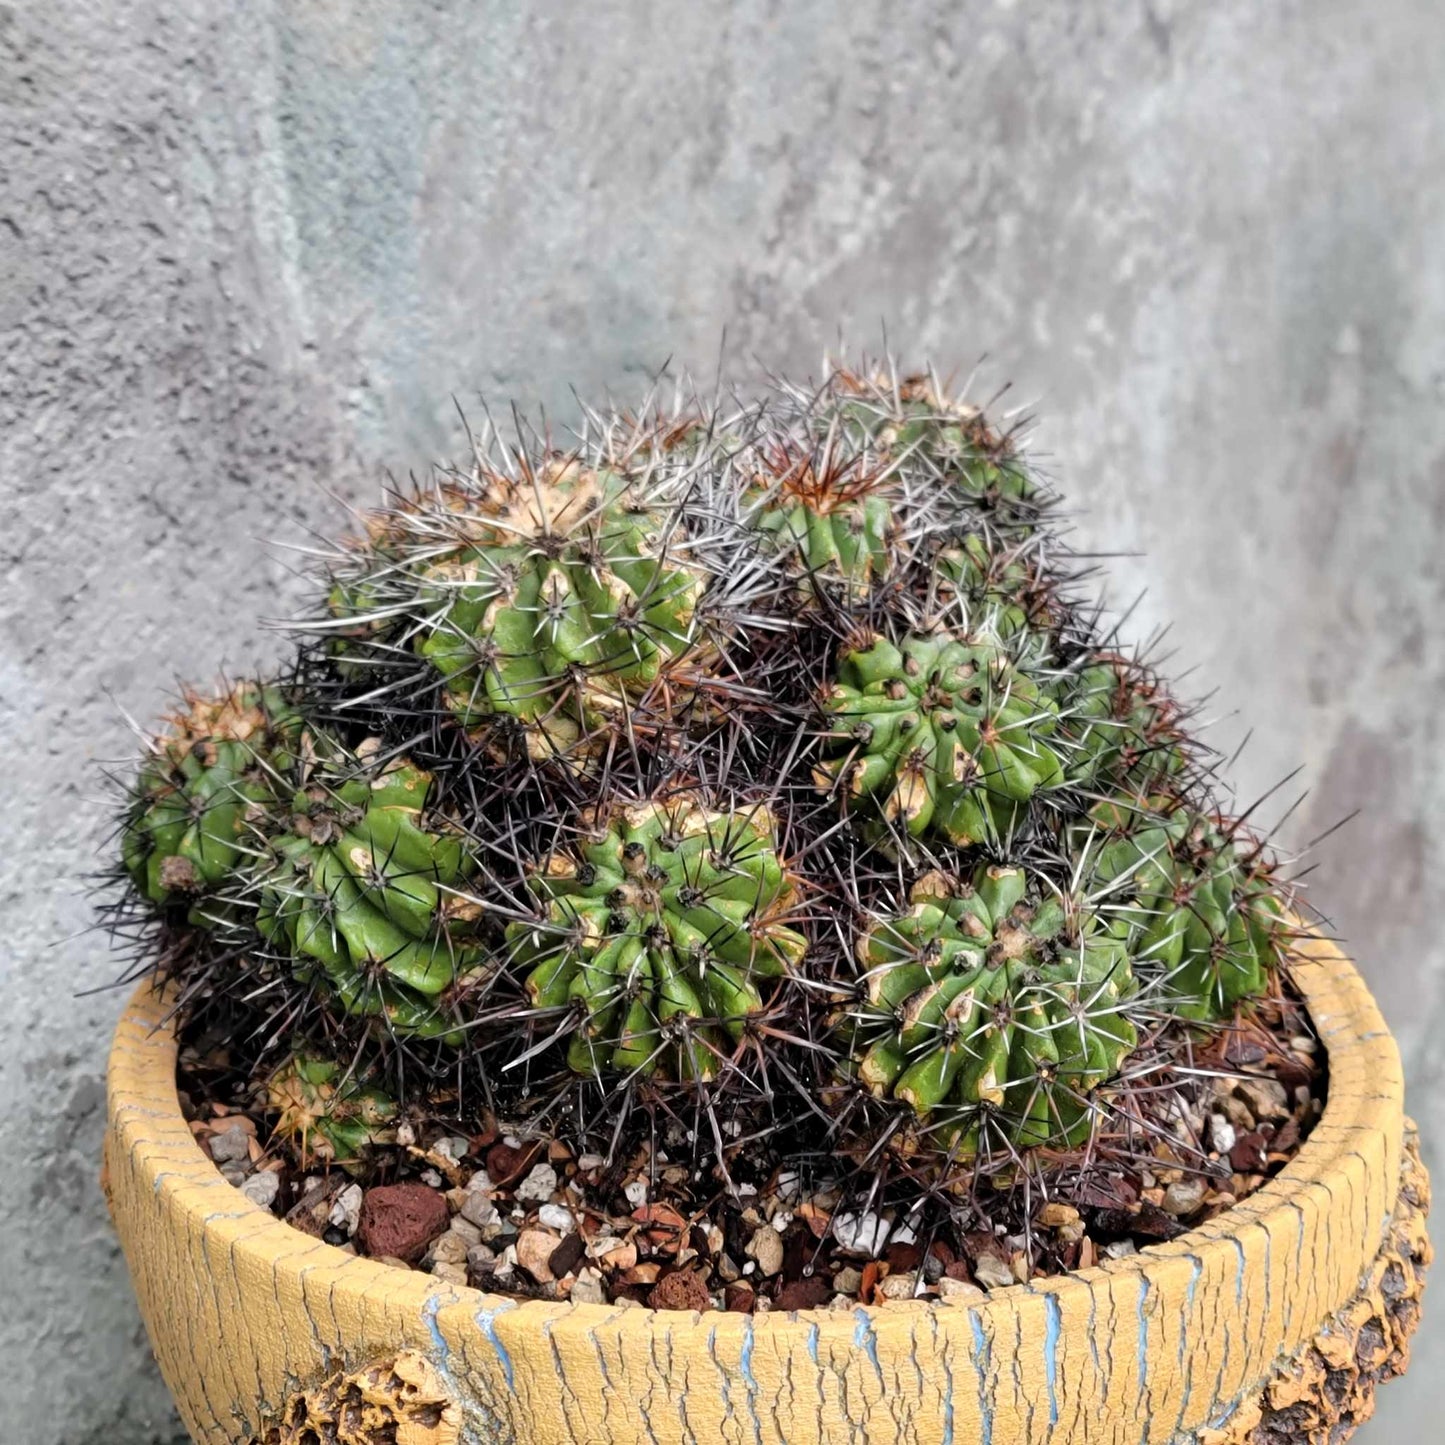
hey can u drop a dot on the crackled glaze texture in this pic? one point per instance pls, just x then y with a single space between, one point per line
245 1313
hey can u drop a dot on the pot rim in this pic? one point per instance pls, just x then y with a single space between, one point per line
1365 1100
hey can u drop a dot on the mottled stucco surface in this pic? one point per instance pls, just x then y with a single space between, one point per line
249 252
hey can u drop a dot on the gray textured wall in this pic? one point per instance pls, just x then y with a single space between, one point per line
248 250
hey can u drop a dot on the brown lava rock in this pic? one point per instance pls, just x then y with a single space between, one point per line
401 1220
682 1290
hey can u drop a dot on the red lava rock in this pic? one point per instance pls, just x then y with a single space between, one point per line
804 1294
401 1220
739 1299
682 1290
506 1165
958 1269
903 1257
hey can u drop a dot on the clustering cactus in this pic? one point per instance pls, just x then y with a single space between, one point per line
192 815
364 893
827 790
326 1114
546 597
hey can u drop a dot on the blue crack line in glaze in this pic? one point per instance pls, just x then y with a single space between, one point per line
1053 1320
813 1344
865 1339
981 1357
487 1319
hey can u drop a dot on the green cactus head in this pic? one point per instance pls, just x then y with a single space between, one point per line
195 812
1208 923
832 522
982 1001
364 896
913 421
548 599
660 931
939 734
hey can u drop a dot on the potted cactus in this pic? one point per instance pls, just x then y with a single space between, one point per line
712 936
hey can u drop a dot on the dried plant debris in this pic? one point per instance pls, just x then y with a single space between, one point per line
720 859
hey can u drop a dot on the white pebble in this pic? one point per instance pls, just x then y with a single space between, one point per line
636 1193
346 1208
864 1233
554 1216
539 1185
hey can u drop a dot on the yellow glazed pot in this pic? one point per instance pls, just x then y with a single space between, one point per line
1271 1324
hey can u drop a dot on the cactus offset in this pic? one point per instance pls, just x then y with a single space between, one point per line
547 598
979 999
661 927
194 810
941 734
327 1115
364 896
1205 915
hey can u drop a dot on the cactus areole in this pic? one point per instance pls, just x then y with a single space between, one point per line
737 826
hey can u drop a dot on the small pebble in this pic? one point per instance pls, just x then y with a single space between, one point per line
346 1209
1221 1134
534 1250
585 1164
480 1258
766 1247
538 1186
899 1286
449 1248
451 1273
1183 1198
232 1146
636 1193
1120 1249
554 1216
234 1174
454 1147
587 1288
262 1188
992 1272
478 1209
464 1229
958 1289
1267 1098
865 1233
848 1280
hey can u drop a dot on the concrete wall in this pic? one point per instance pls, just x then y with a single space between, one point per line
249 250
